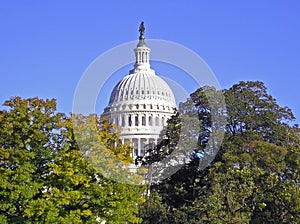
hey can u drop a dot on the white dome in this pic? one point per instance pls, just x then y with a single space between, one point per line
142 86
141 103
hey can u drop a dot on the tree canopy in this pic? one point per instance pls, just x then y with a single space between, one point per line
46 179
254 177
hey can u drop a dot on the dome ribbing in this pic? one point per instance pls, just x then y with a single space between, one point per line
141 102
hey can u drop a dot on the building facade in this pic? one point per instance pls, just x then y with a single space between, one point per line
141 102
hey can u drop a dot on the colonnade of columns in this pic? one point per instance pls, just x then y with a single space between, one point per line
139 145
142 56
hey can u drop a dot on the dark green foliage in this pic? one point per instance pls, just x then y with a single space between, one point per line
154 210
254 177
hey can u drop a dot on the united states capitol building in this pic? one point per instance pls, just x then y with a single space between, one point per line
141 102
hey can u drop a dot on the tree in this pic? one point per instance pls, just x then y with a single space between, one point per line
46 179
254 178
154 210
254 114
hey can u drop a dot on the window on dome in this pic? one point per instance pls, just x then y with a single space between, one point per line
136 120
157 92
137 91
129 121
162 121
144 106
144 120
137 106
123 121
148 92
142 91
150 120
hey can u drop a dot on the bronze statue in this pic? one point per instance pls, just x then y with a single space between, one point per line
142 30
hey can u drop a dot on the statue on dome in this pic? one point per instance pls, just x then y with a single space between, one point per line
142 30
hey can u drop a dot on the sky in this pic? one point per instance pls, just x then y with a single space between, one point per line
46 46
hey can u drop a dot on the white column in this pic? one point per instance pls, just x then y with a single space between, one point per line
140 119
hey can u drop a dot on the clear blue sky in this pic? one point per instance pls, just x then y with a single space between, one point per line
45 46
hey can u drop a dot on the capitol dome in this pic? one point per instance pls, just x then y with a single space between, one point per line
141 102
141 86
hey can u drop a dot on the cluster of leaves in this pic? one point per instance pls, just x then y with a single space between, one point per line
46 179
254 177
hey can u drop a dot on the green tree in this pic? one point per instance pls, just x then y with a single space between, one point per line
254 178
46 179
154 210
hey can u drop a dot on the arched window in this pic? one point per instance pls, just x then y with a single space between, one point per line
123 121
150 120
136 120
129 120
144 120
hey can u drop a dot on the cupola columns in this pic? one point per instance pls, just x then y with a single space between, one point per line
142 52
